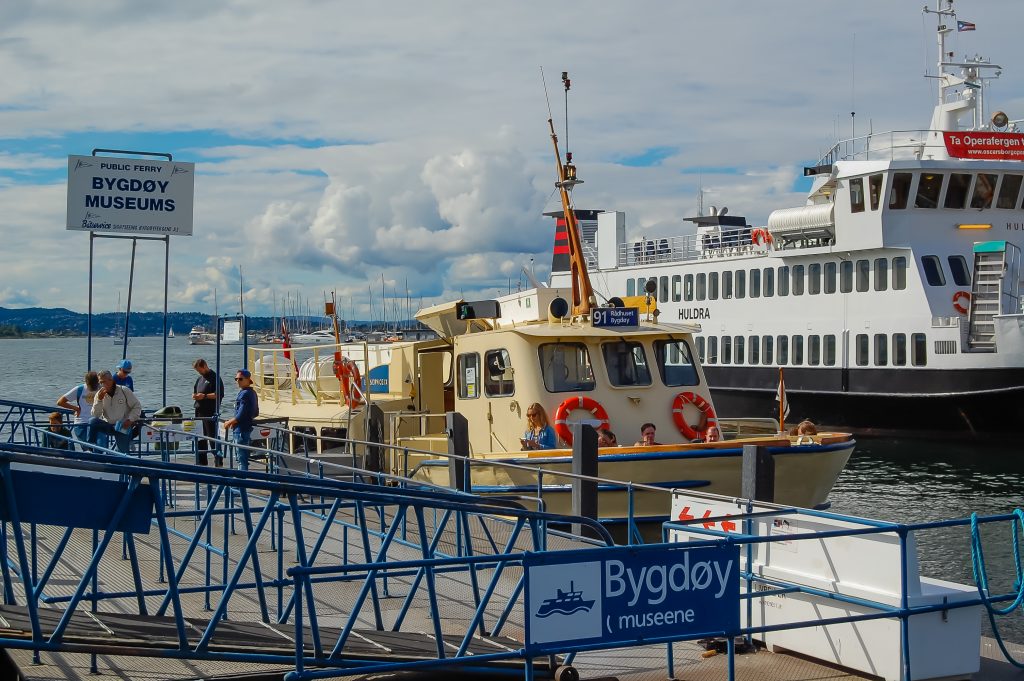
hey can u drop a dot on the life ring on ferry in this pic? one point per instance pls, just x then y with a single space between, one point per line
348 373
959 306
572 404
761 236
689 432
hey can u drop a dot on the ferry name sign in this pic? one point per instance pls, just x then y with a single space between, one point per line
623 596
130 195
995 146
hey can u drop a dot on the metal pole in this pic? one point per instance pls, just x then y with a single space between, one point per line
167 267
88 338
128 307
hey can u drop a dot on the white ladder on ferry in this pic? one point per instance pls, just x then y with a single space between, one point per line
995 289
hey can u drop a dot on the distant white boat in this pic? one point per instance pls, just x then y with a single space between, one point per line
322 337
170 332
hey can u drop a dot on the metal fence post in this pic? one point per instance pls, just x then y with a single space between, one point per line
584 462
458 446
758 474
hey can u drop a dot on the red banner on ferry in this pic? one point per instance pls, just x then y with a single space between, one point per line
996 146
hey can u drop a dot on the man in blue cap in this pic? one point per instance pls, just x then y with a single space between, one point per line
247 408
122 375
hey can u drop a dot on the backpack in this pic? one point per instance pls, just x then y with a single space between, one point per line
78 395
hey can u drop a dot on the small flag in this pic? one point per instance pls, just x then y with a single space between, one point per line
780 397
965 26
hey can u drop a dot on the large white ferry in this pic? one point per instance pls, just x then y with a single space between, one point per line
892 298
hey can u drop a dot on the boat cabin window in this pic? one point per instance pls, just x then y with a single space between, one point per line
958 268
782 342
688 287
956 192
726 285
713 349
881 274
783 280
766 354
899 273
798 280
755 283
677 288
814 278
726 355
863 274
830 350
663 289
881 350
984 190
701 348
741 284
875 190
929 186
675 362
857 195
752 349
918 350
740 350
813 350
830 277
498 379
846 276
933 270
899 349
1008 191
713 286
702 286
630 287
900 191
862 349
566 367
798 350
768 279
469 376
626 364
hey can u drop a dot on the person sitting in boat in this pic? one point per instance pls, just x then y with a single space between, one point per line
804 428
647 434
606 438
122 376
58 436
714 434
539 433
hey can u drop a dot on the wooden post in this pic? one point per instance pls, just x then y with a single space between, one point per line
758 474
458 445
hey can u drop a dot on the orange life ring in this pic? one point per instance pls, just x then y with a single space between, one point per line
351 382
961 307
572 404
690 433
761 236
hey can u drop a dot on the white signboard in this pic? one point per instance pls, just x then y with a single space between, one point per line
232 332
130 195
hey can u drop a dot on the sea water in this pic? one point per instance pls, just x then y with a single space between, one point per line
900 480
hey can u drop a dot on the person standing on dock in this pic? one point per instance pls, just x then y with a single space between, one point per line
114 412
122 376
79 400
207 393
247 408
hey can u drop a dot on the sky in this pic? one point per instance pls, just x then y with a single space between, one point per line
341 144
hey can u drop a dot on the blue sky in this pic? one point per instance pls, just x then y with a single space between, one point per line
338 142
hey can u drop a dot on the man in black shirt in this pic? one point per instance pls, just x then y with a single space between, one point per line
208 392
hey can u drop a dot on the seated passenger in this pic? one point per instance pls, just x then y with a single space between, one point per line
61 436
539 433
606 438
647 433
805 427
714 434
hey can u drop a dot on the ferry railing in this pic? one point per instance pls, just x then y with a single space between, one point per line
887 146
688 247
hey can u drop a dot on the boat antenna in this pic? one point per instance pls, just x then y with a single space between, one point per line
566 84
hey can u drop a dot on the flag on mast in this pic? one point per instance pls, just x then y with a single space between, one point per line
965 26
780 397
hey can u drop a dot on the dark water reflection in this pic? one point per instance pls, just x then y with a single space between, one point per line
915 481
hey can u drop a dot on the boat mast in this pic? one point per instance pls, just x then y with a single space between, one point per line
582 291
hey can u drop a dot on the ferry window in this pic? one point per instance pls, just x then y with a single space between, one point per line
857 195
676 363
688 287
783 280
726 285
768 277
702 286
498 377
783 344
918 350
933 270
566 367
755 283
813 350
875 190
713 349
626 364
862 349
798 280
713 286
846 276
752 348
863 274
928 189
830 350
984 190
899 273
956 192
830 277
1008 191
630 287
701 348
881 274
469 376
814 278
900 191
663 289
726 350
798 350
958 269
766 354
741 283
899 349
738 343
881 350
677 288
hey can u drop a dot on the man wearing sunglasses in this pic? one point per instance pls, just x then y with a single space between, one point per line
247 408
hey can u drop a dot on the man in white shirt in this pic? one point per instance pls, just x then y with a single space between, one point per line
114 412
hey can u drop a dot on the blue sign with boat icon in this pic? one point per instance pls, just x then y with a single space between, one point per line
629 595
